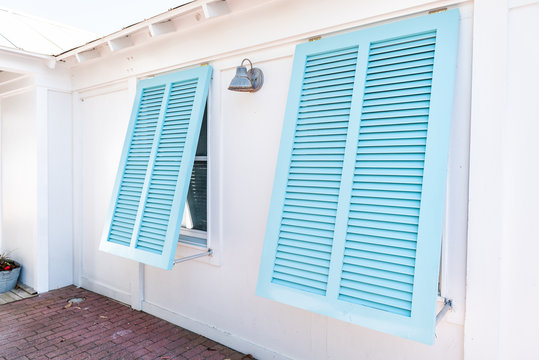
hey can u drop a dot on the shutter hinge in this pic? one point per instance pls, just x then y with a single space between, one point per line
448 305
208 252
314 38
436 11
205 64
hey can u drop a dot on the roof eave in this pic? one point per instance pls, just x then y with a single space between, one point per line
182 9
27 53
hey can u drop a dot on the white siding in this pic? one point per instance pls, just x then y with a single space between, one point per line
19 181
60 189
103 124
519 276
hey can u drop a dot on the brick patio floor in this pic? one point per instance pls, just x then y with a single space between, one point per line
97 328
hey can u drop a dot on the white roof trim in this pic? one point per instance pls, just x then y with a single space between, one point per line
27 53
161 18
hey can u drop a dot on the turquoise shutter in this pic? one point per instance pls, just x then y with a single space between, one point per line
355 223
144 218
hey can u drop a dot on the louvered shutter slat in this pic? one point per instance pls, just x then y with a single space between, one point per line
389 227
130 193
156 167
320 191
355 220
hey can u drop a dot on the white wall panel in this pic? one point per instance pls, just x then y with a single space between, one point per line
60 189
519 279
19 182
105 115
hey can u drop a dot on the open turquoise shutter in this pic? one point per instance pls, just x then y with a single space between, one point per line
144 218
355 223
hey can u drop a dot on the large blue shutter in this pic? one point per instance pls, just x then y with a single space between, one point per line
149 195
355 223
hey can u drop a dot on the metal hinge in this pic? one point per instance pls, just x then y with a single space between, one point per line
436 11
448 305
314 38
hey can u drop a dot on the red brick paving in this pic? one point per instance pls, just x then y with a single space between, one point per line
97 328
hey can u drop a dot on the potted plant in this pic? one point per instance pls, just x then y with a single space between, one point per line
9 273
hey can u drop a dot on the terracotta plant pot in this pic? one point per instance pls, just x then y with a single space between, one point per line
8 279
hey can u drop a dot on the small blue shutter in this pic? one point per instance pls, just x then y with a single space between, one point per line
355 223
149 195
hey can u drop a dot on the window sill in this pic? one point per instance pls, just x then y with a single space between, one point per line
193 238
188 245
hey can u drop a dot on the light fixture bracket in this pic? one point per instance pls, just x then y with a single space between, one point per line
257 78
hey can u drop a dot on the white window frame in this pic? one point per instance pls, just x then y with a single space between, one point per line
200 234
452 280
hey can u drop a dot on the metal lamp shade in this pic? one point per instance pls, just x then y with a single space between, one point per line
241 81
246 81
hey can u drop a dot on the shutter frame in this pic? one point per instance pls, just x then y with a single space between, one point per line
202 76
420 324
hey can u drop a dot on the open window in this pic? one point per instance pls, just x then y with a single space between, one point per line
195 216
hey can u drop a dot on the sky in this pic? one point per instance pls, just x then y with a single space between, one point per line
101 17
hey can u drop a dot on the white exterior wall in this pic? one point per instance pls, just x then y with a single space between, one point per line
520 283
519 275
60 188
19 181
36 165
216 297
502 281
99 136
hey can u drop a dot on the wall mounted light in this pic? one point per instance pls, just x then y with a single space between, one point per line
247 80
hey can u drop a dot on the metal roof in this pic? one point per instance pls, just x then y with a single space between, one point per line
25 34
40 36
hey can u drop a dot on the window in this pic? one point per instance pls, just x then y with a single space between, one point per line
156 167
195 216
355 222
